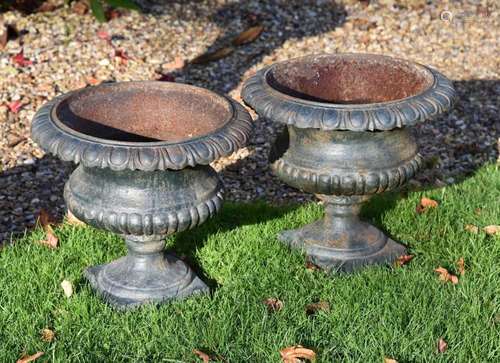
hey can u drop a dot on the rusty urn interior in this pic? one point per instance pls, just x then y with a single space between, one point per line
349 78
144 112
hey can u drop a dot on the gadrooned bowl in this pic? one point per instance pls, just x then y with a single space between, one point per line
349 91
145 126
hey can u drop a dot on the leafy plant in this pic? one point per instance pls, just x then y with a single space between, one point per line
97 7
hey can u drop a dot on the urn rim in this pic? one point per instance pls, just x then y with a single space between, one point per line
279 105
70 144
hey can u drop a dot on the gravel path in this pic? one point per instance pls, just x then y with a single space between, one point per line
64 51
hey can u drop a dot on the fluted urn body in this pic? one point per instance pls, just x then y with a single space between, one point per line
143 150
348 118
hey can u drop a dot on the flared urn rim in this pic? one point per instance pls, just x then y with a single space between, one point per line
321 91
71 126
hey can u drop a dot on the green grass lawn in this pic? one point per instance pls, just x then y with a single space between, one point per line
379 312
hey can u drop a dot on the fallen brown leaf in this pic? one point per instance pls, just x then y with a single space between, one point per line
20 60
4 34
50 240
29 358
471 228
80 7
46 7
71 219
491 230
166 78
48 335
273 304
93 81
177 63
14 140
45 220
403 260
204 356
15 106
213 56
122 55
67 288
103 34
311 266
425 204
248 35
390 360
364 24
445 275
296 352
442 345
461 266
313 308
113 14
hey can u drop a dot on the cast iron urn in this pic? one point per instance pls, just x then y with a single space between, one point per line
143 150
348 118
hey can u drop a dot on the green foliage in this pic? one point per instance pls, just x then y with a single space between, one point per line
378 312
98 10
97 7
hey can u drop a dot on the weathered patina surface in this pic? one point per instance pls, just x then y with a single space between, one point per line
348 138
143 150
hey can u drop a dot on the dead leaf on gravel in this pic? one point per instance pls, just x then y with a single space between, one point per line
103 34
113 14
426 204
29 358
248 35
167 77
313 308
445 275
20 60
403 260
93 81
491 230
364 24
14 106
67 288
46 6
204 356
471 228
14 139
213 56
461 266
48 335
442 345
273 304
390 360
71 219
122 55
80 7
4 35
296 352
177 63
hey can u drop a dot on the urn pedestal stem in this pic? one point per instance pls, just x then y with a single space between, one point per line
341 240
145 274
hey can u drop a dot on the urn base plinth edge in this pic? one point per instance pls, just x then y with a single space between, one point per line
126 285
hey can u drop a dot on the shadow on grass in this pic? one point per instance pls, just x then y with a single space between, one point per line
232 216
